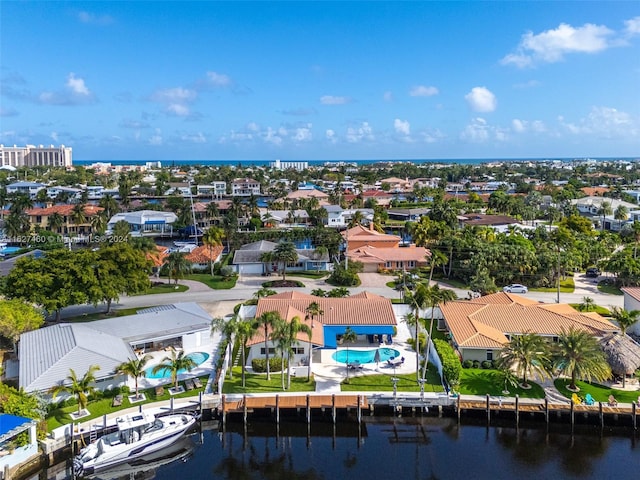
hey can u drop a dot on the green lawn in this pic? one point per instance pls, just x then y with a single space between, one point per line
600 393
566 286
103 315
257 383
98 408
610 289
382 383
165 288
605 312
478 381
216 282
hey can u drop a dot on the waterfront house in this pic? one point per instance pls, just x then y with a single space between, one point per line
145 222
70 224
370 316
632 302
26 188
245 187
47 354
481 327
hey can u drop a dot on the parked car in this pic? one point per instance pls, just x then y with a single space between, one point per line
515 288
593 272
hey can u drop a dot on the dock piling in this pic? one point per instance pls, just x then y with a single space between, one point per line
488 409
517 411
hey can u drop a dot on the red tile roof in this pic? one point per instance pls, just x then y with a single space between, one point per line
484 322
64 210
370 254
204 254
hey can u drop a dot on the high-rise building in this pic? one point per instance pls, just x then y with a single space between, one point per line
32 156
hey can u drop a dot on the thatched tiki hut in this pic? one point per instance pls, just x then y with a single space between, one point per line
623 354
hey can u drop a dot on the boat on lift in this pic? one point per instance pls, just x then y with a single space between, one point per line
137 435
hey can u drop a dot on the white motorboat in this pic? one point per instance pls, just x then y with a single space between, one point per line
147 465
138 434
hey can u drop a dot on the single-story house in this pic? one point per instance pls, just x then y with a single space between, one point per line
370 316
46 355
481 327
203 254
247 259
12 457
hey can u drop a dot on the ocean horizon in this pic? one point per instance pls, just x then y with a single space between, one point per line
448 161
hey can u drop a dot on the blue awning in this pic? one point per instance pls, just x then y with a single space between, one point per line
330 332
12 425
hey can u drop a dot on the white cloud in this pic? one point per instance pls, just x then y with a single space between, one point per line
54 136
194 137
178 110
479 131
632 26
402 126
481 99
334 100
174 95
552 45
90 18
522 126
303 134
218 79
604 122
331 135
423 91
364 132
387 96
156 140
76 92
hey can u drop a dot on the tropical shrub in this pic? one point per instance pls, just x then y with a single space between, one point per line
476 364
451 366
259 365
487 364
467 364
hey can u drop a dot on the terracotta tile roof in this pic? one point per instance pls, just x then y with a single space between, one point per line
360 234
633 292
317 332
203 254
595 191
158 257
370 254
484 322
313 193
362 309
481 219
64 210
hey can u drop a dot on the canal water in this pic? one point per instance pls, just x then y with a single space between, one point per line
396 448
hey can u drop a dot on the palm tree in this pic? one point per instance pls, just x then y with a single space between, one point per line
177 265
528 354
604 210
212 237
579 355
621 213
99 223
264 292
81 388
266 321
587 305
435 296
110 205
55 222
78 216
134 368
228 327
348 337
176 363
312 311
285 253
243 333
624 318
437 259
291 330
417 300
319 292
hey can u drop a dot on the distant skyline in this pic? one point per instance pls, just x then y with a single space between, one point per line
322 80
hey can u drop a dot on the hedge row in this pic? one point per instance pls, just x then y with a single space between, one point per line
259 365
451 366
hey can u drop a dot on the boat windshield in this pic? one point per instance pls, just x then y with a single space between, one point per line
156 425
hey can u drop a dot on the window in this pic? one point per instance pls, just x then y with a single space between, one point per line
387 264
272 351
412 263
490 355
298 350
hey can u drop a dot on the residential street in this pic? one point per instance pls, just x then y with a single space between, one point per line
371 282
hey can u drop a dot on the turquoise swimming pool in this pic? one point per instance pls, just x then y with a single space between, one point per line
364 356
197 357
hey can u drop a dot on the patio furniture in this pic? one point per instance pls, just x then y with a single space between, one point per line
612 401
159 391
117 401
189 385
197 382
588 399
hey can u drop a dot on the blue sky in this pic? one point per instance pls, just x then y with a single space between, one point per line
322 80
